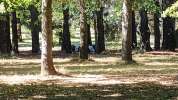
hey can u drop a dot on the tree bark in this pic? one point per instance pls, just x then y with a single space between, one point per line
144 31
134 31
169 42
127 31
5 41
34 29
100 35
8 37
95 29
83 31
157 32
66 41
14 33
47 67
19 31
89 34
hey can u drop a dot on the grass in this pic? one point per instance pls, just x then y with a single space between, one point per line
139 91
145 79
145 65
103 77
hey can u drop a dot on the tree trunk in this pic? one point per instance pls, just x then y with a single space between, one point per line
8 38
89 34
134 31
157 31
127 31
169 42
144 31
34 29
19 31
66 42
100 38
47 67
5 41
14 33
83 31
95 30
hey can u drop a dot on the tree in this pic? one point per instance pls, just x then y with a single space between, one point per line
5 40
157 32
14 33
144 31
169 42
12 6
47 67
168 34
19 31
99 35
66 41
34 29
127 31
89 33
83 31
134 31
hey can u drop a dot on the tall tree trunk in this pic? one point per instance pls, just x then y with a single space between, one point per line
127 31
47 67
95 30
83 31
134 31
19 31
144 31
89 34
5 41
8 37
66 41
100 35
157 32
169 42
34 29
14 33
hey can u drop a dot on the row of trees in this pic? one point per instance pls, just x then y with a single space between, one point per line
9 17
85 8
127 30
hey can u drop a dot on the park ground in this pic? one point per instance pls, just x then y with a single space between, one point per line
153 76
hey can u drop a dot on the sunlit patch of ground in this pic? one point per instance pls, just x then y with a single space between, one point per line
103 77
84 79
154 76
146 64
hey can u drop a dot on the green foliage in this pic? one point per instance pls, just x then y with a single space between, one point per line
148 5
113 20
57 21
172 11
19 4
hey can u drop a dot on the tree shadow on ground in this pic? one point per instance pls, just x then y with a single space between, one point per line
139 91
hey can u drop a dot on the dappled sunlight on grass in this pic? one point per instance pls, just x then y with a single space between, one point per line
102 77
160 64
137 91
145 64
84 79
107 60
